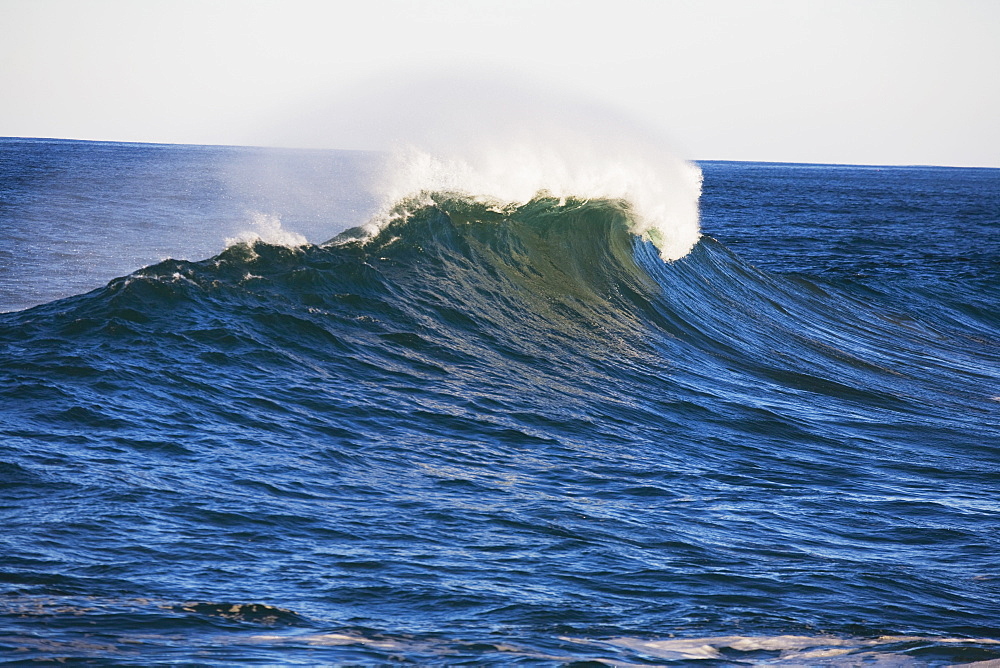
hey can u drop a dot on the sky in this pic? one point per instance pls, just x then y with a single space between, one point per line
828 81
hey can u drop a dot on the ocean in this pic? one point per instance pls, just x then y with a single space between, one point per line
251 414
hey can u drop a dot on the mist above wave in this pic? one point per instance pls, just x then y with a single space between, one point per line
506 140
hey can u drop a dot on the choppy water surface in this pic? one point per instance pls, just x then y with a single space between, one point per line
507 435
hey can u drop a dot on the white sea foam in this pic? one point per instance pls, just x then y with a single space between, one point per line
266 228
788 650
662 189
791 649
503 138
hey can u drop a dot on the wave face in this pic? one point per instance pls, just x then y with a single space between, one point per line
503 434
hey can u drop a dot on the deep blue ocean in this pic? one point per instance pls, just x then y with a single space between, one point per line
493 436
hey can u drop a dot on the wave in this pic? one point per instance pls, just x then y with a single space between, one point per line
549 250
551 279
662 190
555 260
482 413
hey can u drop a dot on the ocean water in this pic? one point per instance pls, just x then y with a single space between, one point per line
486 434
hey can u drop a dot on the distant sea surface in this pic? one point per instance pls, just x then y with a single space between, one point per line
493 435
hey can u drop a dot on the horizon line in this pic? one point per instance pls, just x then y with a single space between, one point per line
361 150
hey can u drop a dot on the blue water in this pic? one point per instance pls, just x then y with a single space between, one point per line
488 436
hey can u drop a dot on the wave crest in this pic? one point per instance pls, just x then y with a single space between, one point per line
266 228
662 190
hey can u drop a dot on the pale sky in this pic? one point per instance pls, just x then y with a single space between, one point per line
862 82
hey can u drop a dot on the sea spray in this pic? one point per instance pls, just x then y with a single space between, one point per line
266 228
663 190
506 139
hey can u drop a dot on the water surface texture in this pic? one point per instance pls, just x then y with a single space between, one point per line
495 435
